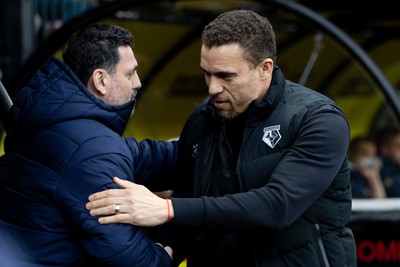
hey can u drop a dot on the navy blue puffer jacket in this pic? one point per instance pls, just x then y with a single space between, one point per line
63 145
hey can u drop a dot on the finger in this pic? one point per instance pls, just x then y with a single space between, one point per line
108 210
106 194
169 251
101 203
117 218
123 183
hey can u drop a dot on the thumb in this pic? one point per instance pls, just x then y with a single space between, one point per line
123 183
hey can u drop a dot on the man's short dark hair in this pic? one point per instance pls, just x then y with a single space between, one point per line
254 34
96 46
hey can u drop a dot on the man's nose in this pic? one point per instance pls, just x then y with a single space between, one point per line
214 87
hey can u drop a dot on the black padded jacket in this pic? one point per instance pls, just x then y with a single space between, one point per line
292 201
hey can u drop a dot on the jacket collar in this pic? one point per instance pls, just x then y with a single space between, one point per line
273 96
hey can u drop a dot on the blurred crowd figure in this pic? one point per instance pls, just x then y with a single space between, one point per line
388 147
365 168
375 164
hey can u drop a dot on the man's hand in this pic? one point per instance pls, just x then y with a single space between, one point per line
134 204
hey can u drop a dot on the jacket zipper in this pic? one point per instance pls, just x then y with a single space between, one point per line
321 246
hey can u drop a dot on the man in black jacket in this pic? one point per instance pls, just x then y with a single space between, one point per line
263 177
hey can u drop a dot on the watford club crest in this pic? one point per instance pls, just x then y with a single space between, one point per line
272 135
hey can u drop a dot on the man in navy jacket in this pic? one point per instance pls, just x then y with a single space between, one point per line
65 142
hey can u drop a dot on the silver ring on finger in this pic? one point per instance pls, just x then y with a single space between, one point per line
117 208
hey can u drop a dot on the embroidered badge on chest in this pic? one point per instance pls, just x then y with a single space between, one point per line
272 135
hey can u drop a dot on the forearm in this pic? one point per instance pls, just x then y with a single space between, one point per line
374 181
187 211
376 187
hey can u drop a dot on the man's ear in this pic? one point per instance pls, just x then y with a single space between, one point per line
100 81
266 68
